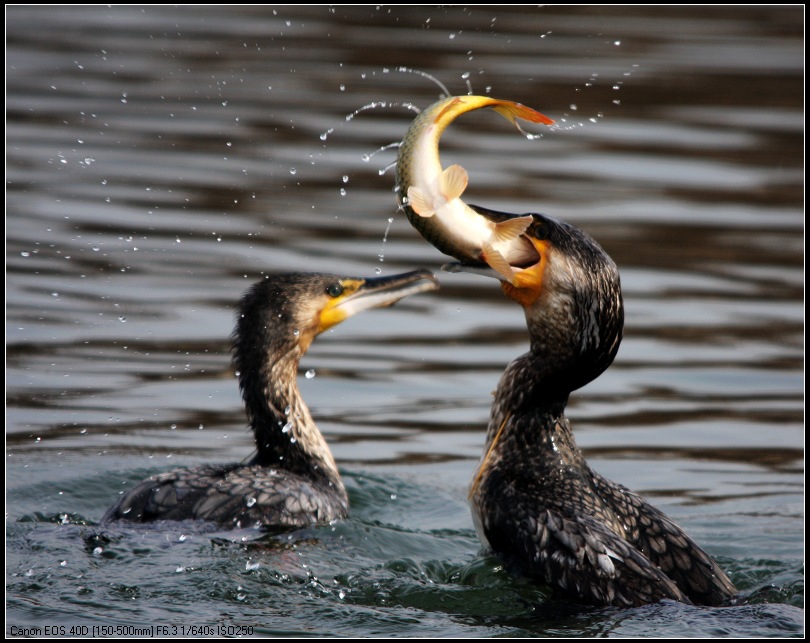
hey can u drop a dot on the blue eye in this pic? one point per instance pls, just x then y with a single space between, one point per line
335 290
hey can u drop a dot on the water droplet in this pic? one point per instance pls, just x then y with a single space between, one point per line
286 428
182 538
342 191
179 569
310 374
573 107
250 502
393 496
25 254
250 566
97 551
293 171
345 178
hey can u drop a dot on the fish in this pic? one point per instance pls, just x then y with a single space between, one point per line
431 196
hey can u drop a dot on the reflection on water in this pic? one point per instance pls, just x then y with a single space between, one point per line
159 160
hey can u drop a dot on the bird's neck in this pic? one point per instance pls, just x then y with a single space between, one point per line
286 434
528 414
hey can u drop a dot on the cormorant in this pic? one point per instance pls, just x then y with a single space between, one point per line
293 479
535 500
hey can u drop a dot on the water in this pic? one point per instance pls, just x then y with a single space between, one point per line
160 160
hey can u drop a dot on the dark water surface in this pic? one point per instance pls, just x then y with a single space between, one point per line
160 160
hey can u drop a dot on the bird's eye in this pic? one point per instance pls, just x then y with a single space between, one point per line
540 230
335 290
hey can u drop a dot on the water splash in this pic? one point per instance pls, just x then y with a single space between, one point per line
391 146
593 80
466 77
368 107
424 74
381 254
390 166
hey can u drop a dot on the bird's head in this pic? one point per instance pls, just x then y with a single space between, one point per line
280 316
571 297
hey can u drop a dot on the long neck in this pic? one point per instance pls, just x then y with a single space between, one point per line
528 417
286 435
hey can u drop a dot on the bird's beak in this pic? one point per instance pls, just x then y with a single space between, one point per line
377 292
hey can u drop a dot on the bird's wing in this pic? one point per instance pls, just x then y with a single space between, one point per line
578 554
231 496
667 546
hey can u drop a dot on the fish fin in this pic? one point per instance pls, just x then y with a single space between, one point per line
454 182
497 262
512 111
419 203
510 229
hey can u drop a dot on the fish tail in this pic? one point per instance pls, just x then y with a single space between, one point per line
512 111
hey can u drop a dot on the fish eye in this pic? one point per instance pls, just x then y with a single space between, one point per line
335 290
